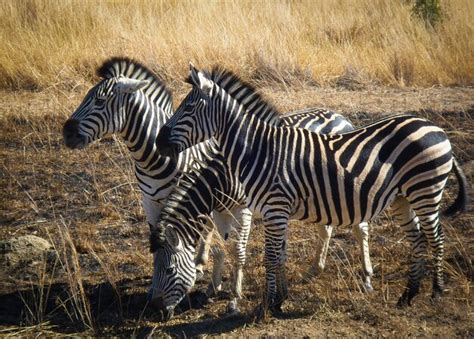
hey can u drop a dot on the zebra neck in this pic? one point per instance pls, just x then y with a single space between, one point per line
187 231
247 143
144 121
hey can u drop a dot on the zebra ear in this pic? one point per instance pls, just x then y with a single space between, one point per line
205 84
193 75
200 80
128 85
173 239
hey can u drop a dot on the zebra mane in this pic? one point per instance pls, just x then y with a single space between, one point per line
130 68
177 194
244 93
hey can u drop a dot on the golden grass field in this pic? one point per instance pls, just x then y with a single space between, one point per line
56 43
365 59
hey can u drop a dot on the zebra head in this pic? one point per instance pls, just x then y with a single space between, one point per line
192 122
108 106
102 112
174 270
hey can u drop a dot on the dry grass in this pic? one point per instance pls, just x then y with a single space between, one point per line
87 204
58 43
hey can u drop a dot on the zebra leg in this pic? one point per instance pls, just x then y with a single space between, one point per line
223 222
241 224
409 223
276 238
202 255
319 261
218 256
361 233
432 229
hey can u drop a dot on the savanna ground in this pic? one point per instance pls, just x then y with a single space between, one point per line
301 54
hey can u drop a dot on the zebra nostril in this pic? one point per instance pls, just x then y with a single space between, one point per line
70 128
157 302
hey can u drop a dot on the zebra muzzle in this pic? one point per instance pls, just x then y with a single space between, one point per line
72 138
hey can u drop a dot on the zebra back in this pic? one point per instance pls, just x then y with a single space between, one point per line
212 186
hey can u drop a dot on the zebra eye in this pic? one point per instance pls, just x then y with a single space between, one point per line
170 270
99 101
190 106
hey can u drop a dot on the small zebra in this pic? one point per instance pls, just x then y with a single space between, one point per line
196 195
337 180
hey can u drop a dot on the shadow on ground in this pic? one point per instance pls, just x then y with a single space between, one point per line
109 305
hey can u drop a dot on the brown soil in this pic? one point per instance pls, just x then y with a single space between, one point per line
91 195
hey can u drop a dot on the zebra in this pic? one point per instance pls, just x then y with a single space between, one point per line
133 102
196 195
340 180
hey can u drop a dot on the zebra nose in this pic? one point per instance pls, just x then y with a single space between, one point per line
157 302
71 133
70 127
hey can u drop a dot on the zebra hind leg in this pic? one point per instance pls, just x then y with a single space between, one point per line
322 246
409 223
361 233
202 256
428 214
218 256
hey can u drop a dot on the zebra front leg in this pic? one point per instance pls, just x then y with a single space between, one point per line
319 261
276 237
241 224
361 233
202 256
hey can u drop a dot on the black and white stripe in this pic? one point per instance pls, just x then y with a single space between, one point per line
337 180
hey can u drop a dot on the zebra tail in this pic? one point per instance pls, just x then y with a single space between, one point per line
461 204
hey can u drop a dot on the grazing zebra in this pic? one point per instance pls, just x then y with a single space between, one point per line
338 180
196 195
133 102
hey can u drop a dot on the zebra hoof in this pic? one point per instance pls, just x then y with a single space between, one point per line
199 274
405 300
410 292
368 288
200 299
276 309
232 309
260 313
436 296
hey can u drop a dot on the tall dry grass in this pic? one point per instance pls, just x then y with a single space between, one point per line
58 43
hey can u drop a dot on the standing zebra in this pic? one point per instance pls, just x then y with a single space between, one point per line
133 102
199 193
337 180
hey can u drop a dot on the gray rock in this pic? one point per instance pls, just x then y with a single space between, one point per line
24 250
